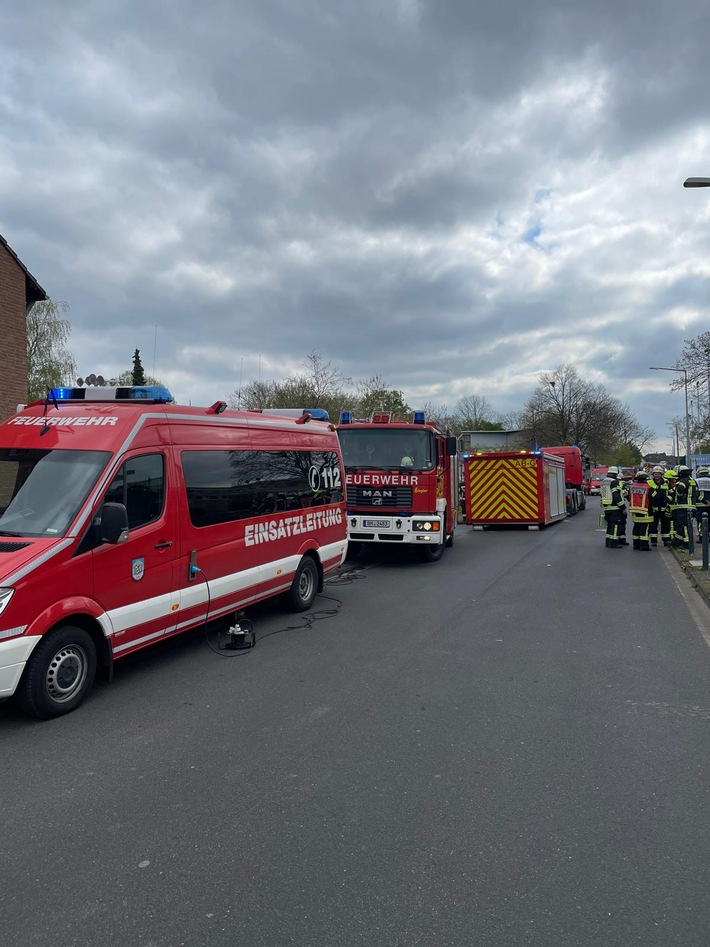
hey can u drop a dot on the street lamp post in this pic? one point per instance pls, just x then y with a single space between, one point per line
660 368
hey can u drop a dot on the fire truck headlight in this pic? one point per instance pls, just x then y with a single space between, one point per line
426 526
5 596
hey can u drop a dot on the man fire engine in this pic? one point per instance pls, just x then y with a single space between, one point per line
401 482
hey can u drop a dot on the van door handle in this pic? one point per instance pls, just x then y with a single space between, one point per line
162 545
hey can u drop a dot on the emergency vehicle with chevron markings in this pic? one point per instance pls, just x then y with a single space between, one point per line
125 519
401 483
514 488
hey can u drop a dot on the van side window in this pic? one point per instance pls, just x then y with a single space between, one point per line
223 486
140 486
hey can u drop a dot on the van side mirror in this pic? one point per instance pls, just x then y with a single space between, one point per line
451 447
113 523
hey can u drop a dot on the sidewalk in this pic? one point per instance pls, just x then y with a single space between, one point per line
692 566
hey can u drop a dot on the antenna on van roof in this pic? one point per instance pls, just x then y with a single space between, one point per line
50 396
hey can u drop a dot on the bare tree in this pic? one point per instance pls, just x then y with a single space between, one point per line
255 395
374 394
473 410
566 409
325 380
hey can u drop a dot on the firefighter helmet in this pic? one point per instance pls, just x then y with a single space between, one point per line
613 471
670 475
658 469
703 471
682 470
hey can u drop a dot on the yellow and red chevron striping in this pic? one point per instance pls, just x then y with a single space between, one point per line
502 492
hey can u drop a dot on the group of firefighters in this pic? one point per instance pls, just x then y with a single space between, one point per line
665 501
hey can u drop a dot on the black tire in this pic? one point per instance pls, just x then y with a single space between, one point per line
432 553
304 587
450 540
59 673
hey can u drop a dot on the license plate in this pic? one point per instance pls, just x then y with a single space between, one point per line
376 524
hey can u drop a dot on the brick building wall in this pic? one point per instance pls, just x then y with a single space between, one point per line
13 332
18 289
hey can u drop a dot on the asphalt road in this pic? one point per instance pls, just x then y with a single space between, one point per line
508 747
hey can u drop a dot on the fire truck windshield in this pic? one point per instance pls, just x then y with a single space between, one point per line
383 447
41 491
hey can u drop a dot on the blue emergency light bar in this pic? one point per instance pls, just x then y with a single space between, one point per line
418 417
346 417
155 394
318 414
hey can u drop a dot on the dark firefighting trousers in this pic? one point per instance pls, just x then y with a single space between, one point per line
614 523
641 531
679 527
699 510
662 519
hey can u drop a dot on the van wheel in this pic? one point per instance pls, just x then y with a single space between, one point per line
59 673
304 587
431 553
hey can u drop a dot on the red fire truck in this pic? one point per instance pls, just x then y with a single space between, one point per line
574 476
401 483
125 519
514 488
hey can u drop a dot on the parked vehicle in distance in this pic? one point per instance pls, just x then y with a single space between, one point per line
595 481
574 476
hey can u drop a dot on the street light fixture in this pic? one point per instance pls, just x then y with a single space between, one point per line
660 368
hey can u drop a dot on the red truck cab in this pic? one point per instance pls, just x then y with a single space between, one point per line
595 480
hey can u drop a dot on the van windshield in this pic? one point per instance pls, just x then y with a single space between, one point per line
41 491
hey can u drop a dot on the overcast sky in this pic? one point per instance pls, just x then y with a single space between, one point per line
454 195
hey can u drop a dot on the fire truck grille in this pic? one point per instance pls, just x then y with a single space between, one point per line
380 498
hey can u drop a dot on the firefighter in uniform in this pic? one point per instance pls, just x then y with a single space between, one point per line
614 508
658 507
670 477
623 484
702 504
686 492
641 513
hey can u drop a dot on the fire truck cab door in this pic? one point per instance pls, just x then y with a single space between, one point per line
134 581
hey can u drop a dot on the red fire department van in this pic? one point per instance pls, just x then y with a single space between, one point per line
401 482
125 519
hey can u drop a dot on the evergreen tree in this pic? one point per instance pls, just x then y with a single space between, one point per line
138 373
